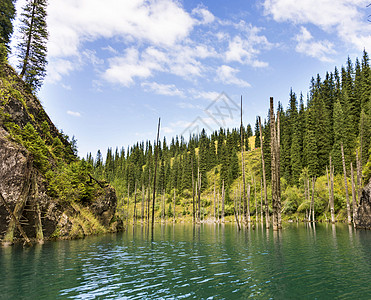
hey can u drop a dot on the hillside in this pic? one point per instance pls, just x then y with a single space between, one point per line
46 191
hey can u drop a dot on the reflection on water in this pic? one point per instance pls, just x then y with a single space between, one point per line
203 261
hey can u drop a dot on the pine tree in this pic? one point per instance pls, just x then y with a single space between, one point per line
32 48
7 14
257 134
338 137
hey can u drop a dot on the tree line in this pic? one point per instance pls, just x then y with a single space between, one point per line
334 118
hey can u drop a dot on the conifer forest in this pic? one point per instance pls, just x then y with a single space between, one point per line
321 156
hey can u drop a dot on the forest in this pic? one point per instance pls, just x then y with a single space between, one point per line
202 176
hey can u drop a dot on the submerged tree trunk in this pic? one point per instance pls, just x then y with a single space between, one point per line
223 199
154 176
243 170
135 203
127 205
332 209
248 204
264 178
143 198
261 200
313 183
214 203
359 177
275 167
193 194
346 185
174 207
354 199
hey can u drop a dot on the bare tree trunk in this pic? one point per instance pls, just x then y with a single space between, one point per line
199 196
154 176
218 206
142 208
15 219
354 197
332 209
149 194
328 187
163 206
193 193
243 170
127 205
278 170
256 201
346 185
359 177
239 203
223 199
310 203
214 203
264 178
174 207
135 203
313 183
248 205
261 200
273 164
37 213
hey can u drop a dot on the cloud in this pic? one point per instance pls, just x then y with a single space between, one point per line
73 113
162 89
317 49
227 75
346 18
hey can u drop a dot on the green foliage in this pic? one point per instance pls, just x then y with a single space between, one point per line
7 14
32 47
71 182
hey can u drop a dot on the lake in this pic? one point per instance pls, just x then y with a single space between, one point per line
207 261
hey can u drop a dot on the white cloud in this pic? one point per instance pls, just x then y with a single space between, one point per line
73 113
227 75
346 18
162 89
317 49
124 69
206 16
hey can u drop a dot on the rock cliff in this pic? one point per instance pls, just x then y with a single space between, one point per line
36 163
363 219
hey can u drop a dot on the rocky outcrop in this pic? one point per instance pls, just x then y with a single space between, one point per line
363 219
27 207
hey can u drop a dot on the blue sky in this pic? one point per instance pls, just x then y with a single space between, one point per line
115 66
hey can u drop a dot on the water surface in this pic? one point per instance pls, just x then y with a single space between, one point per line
196 262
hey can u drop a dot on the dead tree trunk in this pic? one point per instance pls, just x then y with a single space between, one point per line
149 194
15 220
346 184
154 176
174 207
135 204
264 179
223 200
248 204
310 203
261 200
142 210
193 193
163 206
332 209
256 201
127 205
278 171
214 203
313 183
354 197
329 188
37 212
275 165
243 170
359 177
199 194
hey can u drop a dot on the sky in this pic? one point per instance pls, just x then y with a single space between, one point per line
116 66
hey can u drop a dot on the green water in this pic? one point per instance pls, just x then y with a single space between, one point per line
195 262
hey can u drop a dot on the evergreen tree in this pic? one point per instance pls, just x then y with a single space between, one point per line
7 14
257 134
338 137
32 47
